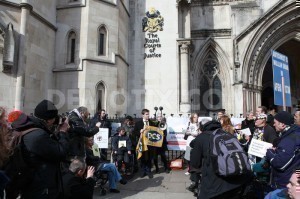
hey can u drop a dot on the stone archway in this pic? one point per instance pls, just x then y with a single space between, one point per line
276 29
210 79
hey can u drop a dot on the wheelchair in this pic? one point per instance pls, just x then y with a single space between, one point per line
122 168
101 179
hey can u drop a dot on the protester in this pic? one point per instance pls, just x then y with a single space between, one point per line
213 186
191 132
162 150
263 110
79 129
283 158
43 151
293 185
113 175
249 122
4 150
264 131
101 118
297 117
128 124
139 129
220 114
227 125
76 186
121 148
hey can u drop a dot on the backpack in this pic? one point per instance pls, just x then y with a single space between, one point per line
16 168
226 154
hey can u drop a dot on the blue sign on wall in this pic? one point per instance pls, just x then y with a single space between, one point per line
281 70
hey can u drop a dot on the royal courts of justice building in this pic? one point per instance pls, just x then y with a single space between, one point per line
125 55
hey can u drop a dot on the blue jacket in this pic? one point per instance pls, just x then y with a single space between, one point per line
285 158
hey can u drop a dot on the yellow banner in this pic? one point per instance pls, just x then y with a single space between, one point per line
152 136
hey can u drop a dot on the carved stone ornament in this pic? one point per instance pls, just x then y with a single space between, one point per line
153 21
210 68
9 58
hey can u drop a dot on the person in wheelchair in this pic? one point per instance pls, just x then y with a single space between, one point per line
102 167
121 147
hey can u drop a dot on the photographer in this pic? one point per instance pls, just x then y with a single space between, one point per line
43 151
79 129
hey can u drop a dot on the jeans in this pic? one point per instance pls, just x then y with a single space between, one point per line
113 174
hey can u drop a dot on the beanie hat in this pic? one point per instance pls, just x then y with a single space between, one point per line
13 116
45 110
284 117
18 119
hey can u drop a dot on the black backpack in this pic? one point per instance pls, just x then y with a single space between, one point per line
227 156
16 168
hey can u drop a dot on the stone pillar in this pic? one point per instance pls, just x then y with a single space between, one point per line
185 103
244 102
20 96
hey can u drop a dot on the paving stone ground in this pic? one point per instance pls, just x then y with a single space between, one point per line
161 186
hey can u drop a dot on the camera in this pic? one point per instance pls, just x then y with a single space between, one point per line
60 119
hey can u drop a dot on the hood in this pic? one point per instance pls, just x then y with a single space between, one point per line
211 126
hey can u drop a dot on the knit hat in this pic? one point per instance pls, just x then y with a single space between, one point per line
284 117
18 119
45 110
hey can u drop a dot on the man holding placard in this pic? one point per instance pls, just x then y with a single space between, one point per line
284 158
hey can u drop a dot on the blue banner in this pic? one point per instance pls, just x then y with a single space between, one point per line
281 71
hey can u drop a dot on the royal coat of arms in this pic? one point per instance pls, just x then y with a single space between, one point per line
153 21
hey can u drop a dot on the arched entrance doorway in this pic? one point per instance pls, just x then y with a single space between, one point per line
291 49
278 30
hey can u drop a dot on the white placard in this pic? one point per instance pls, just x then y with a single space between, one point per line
96 151
114 127
245 132
235 121
175 135
259 148
101 138
122 143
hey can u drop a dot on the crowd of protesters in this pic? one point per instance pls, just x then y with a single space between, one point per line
276 173
60 152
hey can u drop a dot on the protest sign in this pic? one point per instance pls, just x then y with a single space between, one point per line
259 148
101 138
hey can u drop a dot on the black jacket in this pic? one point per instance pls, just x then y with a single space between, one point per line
78 131
104 123
77 187
115 143
248 124
211 184
44 152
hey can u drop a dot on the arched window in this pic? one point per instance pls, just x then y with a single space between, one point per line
210 85
102 41
100 96
71 47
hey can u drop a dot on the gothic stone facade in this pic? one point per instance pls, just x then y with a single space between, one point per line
124 55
